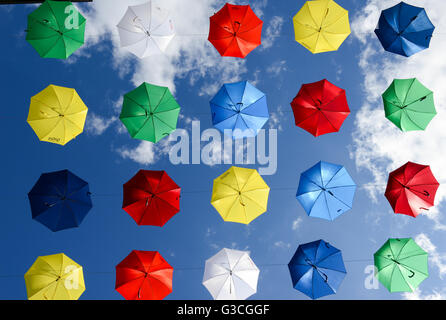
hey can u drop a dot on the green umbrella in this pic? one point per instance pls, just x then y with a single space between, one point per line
409 104
401 265
56 29
150 112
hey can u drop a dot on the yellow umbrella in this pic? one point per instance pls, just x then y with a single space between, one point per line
54 277
321 25
57 114
240 195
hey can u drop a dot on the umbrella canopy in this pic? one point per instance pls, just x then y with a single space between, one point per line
239 107
326 190
146 29
317 269
56 29
150 112
321 26
60 200
151 198
144 275
409 104
57 114
54 277
411 189
240 195
231 275
235 30
320 108
404 29
401 265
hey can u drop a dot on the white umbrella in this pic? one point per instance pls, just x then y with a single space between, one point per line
146 29
231 275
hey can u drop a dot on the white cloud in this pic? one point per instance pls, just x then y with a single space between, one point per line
146 152
282 245
378 146
435 258
418 295
275 117
271 32
296 223
96 125
277 68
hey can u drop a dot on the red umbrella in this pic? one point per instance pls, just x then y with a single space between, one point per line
235 30
144 275
320 107
411 188
151 198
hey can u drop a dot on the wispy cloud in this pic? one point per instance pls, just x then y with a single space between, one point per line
277 68
272 32
282 245
296 224
436 258
96 125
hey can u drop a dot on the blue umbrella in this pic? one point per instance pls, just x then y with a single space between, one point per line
326 191
404 29
317 269
239 107
60 200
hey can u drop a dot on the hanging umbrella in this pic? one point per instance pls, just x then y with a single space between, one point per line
60 200
411 189
326 191
235 30
401 265
409 104
317 269
146 30
57 114
54 277
321 26
239 107
151 198
231 275
56 29
320 108
144 275
150 112
404 29
240 195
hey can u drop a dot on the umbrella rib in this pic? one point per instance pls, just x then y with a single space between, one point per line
411 120
54 128
328 208
332 177
219 26
232 206
408 182
408 90
162 97
55 17
332 23
312 18
312 206
139 105
147 207
159 119
341 201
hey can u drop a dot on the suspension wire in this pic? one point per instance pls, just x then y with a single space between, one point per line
105 195
5 276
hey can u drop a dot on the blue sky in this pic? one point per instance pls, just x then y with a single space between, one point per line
105 155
